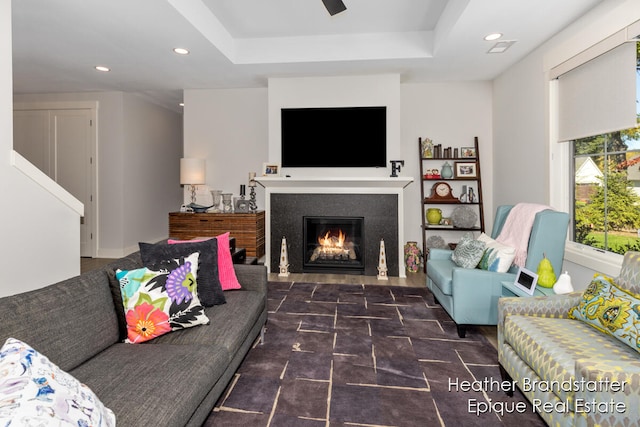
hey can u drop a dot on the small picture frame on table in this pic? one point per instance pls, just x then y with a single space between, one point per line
270 169
241 206
526 280
466 170
468 152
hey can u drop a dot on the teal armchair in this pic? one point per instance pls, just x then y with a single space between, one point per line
470 296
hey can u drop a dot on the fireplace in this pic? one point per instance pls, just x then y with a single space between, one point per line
333 244
379 200
380 221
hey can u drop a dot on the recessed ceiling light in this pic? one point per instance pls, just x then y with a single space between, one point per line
492 36
181 104
181 51
102 68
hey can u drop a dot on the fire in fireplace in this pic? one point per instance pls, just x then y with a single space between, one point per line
333 244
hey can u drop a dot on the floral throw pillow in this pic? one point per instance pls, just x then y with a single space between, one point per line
35 391
160 301
610 310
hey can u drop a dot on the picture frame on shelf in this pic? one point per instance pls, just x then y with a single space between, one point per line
468 152
466 170
427 148
270 169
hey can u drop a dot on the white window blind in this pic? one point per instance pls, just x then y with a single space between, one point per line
598 96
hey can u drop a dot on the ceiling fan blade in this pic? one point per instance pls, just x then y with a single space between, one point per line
334 6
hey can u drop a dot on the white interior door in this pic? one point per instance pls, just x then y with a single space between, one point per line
31 137
61 143
73 164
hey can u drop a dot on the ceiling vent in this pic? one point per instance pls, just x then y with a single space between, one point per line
501 46
334 6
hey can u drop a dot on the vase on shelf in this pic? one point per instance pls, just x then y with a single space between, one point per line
434 216
226 202
446 172
412 257
216 195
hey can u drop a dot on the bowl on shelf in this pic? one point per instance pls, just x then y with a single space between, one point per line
198 208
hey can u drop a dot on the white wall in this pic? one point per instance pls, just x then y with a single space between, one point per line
234 130
347 91
228 128
520 141
525 156
451 114
40 234
139 147
152 151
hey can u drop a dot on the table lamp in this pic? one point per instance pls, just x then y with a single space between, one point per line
192 173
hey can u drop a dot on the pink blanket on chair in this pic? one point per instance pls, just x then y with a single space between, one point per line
517 228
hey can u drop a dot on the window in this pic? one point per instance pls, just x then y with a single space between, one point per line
606 187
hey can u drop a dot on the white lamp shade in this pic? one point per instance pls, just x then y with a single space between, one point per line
192 171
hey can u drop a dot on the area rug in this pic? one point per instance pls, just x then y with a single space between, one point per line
366 355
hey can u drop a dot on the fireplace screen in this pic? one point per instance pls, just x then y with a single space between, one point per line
333 244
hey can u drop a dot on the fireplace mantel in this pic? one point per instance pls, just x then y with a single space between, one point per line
374 183
336 185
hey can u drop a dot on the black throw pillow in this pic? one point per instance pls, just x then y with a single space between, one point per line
209 288
116 294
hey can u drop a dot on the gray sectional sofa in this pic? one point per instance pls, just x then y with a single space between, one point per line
173 380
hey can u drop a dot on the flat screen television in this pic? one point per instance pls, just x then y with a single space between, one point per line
334 137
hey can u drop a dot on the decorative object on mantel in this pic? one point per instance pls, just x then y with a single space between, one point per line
463 217
284 258
270 169
382 263
396 166
253 206
242 191
216 195
226 203
412 257
563 284
192 173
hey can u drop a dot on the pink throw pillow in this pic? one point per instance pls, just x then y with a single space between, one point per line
226 272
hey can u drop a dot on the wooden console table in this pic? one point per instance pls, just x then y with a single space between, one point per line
247 228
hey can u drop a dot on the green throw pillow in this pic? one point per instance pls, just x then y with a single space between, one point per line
610 310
